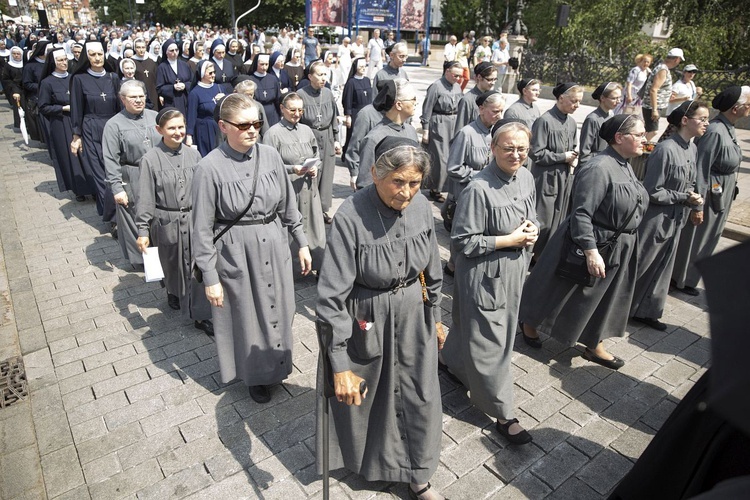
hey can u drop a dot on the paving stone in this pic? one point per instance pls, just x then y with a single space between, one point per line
152 387
120 382
134 412
545 404
69 330
595 435
605 471
695 356
187 455
170 417
237 486
575 382
86 379
148 448
291 433
15 431
281 465
78 353
20 473
178 485
45 401
639 367
463 459
651 391
108 357
189 391
112 441
52 432
526 485
656 416
129 481
171 365
553 431
209 425
89 429
101 469
142 360
62 345
241 454
633 441
39 369
62 471
574 489
558 465
536 380
511 461
101 334
98 407
675 372
614 386
625 412
467 424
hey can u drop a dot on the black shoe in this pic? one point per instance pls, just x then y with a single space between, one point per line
173 301
260 393
653 323
447 271
689 290
415 496
80 198
327 218
522 437
534 342
206 325
613 364
444 368
113 230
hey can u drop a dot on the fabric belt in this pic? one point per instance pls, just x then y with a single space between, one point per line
444 113
396 288
613 229
181 209
510 250
252 222
321 129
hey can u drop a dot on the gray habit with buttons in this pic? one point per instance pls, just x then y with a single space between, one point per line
605 192
469 153
386 128
295 144
252 262
367 118
590 141
553 134
395 434
321 115
467 110
388 72
719 158
439 116
126 138
521 110
166 179
488 285
670 176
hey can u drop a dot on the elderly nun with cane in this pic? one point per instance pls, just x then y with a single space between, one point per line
379 319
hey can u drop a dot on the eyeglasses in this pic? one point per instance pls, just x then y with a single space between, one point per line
637 137
509 150
257 125
458 77
490 80
701 120
413 99
295 110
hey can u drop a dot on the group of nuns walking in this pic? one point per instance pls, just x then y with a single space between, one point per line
231 214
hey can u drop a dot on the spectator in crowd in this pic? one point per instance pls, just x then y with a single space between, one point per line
463 55
375 54
684 89
312 46
500 59
483 52
658 91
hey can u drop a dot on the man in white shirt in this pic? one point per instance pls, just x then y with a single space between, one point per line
500 58
358 47
375 54
450 51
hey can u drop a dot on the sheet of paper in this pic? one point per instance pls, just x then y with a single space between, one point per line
309 163
152 265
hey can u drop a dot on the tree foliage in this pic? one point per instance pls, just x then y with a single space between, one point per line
713 33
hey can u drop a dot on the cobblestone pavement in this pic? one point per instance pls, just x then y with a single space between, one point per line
125 398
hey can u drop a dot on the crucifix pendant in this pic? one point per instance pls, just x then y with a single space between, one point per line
147 142
265 94
320 118
103 96
365 92
177 81
145 72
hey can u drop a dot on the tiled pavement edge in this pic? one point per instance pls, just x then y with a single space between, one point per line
125 399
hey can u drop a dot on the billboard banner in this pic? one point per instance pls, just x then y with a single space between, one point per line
377 13
413 15
329 12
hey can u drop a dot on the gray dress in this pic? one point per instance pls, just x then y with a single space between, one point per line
388 73
469 153
295 144
126 138
488 285
395 434
670 176
521 110
165 200
605 193
386 128
719 158
553 134
590 141
367 118
467 110
439 116
251 261
321 115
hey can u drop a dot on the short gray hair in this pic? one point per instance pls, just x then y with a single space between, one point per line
128 85
245 87
400 45
400 157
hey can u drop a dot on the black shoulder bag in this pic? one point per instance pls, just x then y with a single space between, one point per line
572 265
197 273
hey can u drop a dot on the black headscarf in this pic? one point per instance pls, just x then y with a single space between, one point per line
392 142
727 98
386 97
612 126
353 69
561 88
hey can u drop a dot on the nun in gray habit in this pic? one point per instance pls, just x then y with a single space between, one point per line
385 325
553 143
670 182
719 158
606 192
493 231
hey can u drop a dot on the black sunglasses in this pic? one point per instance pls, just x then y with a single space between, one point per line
246 126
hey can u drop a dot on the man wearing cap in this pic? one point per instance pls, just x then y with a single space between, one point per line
659 90
684 89
395 67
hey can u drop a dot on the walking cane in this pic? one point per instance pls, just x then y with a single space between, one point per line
325 337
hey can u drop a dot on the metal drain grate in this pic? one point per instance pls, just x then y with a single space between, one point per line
13 387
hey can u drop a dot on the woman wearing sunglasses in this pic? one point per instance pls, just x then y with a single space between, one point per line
243 197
